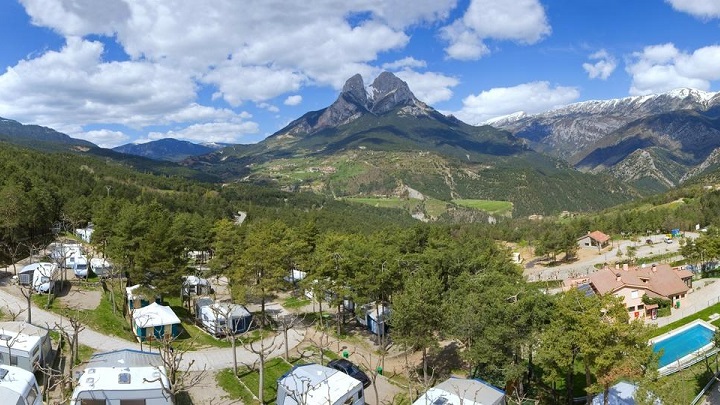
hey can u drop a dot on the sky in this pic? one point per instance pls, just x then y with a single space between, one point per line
236 71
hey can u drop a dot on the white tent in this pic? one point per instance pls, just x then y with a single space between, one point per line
155 320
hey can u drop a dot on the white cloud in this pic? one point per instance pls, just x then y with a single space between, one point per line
269 107
429 87
104 138
522 21
221 132
531 97
405 63
704 9
660 68
295 99
603 68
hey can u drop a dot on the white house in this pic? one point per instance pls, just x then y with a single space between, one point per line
24 345
313 384
85 233
461 391
155 321
123 377
19 387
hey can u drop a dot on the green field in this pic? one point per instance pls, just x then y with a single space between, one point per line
493 207
385 202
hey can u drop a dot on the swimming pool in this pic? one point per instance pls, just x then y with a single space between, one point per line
682 342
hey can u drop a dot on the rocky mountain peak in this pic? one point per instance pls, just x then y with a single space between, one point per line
355 88
389 92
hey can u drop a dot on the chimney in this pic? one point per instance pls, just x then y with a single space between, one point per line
617 266
625 267
654 268
618 277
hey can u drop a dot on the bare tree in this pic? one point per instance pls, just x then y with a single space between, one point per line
72 337
179 378
284 323
262 350
322 342
373 366
13 312
13 251
226 328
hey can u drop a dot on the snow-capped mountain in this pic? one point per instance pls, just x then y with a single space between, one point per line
568 130
662 139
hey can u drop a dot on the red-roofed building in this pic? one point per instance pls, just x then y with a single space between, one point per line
594 239
632 283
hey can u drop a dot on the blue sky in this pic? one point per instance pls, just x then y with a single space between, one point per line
120 71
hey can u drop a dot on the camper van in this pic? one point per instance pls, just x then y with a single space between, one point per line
313 384
44 277
101 267
19 387
79 266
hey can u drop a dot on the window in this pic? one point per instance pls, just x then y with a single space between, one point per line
32 395
630 309
13 360
641 306
634 294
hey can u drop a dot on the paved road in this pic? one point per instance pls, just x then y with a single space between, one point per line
210 359
577 269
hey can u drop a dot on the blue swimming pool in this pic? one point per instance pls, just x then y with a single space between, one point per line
681 344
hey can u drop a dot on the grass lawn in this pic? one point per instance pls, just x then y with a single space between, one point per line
385 202
493 207
274 369
683 386
101 319
296 302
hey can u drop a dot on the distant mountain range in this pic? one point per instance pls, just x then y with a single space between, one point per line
655 141
383 141
169 149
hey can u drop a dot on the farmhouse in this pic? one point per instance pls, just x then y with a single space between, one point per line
594 239
632 283
460 391
123 377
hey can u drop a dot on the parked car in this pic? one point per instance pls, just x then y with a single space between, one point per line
349 368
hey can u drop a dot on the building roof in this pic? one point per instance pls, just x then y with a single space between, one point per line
195 280
123 370
14 383
659 279
154 315
460 391
313 384
599 236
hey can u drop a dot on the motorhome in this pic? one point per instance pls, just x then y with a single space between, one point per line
313 384
18 386
123 377
101 267
79 266
24 345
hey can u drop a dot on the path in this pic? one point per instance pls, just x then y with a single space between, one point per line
587 266
706 293
210 359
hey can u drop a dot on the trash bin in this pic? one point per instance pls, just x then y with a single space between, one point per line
345 354
379 370
677 304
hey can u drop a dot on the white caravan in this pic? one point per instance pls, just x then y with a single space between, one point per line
123 377
313 384
44 277
101 267
19 387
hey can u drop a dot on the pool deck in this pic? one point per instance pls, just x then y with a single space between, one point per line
681 363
